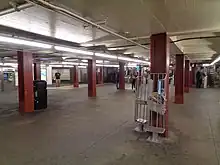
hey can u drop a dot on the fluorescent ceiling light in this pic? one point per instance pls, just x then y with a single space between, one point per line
121 48
67 66
71 60
81 66
125 59
106 61
84 64
24 42
56 65
132 64
205 64
105 55
99 61
133 60
65 49
11 64
64 58
86 45
216 60
6 69
99 64
84 60
70 63
127 53
113 66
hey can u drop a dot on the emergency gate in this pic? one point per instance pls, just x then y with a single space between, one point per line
151 105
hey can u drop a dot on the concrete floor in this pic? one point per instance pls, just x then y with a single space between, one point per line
75 130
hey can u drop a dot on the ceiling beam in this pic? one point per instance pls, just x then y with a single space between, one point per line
5 30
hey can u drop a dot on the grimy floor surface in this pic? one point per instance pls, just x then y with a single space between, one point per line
75 130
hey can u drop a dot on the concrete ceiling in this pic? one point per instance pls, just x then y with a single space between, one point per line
141 18
146 17
186 21
40 21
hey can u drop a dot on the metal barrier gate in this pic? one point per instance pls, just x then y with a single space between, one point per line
151 105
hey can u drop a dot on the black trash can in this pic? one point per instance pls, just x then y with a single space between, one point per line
40 95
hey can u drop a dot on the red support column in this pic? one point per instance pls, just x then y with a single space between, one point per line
187 74
160 57
121 75
179 79
25 82
37 71
92 78
75 77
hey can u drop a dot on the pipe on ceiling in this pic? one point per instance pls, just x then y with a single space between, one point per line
63 11
175 41
18 8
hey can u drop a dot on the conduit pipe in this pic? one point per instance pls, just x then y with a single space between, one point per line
18 8
68 13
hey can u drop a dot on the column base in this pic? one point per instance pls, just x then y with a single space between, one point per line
76 85
186 89
101 84
179 100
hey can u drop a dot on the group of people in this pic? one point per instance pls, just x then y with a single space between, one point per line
133 80
203 79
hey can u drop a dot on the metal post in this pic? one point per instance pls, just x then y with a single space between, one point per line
2 76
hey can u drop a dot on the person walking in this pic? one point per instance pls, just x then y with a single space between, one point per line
133 83
57 78
198 79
